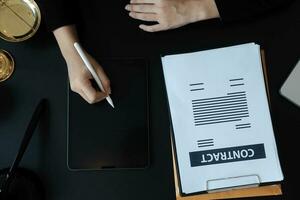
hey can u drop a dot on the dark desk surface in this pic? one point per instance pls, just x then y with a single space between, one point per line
41 72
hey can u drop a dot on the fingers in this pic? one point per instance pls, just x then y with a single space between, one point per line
90 101
102 75
104 80
149 17
90 94
142 8
152 28
83 95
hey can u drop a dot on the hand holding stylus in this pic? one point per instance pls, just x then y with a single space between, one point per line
92 70
79 75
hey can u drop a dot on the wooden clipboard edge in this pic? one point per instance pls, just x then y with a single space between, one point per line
266 190
265 71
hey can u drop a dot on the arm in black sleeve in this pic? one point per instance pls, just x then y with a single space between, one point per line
58 13
232 10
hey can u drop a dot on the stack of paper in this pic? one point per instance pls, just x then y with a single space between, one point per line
221 121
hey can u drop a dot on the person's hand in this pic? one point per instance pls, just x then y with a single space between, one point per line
170 14
80 79
79 76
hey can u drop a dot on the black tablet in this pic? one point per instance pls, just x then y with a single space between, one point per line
102 137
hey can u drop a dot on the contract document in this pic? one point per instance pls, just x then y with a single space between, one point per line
221 123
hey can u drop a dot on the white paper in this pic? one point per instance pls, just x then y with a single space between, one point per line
219 111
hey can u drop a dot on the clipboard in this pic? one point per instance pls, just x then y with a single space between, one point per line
268 190
253 190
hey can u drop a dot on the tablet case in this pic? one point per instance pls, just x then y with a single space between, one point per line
239 192
102 137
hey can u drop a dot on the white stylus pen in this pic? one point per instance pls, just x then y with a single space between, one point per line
92 71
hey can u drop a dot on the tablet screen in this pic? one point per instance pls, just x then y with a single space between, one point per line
102 137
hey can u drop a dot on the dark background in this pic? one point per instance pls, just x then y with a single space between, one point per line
41 72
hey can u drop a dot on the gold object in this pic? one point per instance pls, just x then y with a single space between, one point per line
7 65
19 19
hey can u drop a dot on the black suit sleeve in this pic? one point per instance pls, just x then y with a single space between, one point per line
233 10
58 13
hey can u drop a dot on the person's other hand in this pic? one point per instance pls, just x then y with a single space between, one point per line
80 79
170 14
